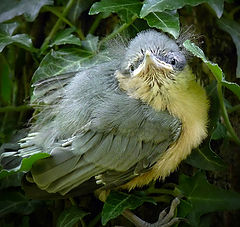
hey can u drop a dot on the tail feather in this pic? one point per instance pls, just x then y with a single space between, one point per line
34 192
11 154
62 171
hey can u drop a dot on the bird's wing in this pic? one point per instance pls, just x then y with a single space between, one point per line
94 130
50 90
108 135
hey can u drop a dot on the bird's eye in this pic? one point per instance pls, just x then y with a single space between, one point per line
173 61
131 67
176 59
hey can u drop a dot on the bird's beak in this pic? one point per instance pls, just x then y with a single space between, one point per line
152 62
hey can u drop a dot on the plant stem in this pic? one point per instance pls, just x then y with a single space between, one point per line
72 201
117 31
234 108
95 23
231 14
14 108
56 26
94 221
225 114
65 20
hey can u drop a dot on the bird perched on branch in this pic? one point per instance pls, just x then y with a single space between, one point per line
120 123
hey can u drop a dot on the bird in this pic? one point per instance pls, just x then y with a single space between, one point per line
120 122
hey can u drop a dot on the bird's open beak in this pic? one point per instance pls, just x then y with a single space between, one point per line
152 62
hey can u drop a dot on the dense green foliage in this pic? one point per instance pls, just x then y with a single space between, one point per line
45 38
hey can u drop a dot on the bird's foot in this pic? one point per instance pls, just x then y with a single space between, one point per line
165 219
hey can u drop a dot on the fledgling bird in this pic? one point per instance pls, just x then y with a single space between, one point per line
122 123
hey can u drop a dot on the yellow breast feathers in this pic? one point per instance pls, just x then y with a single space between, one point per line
183 98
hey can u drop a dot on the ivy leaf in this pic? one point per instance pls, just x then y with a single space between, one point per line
196 51
206 159
65 37
125 8
217 6
214 111
6 37
14 180
160 6
70 216
78 8
235 88
30 8
214 68
233 29
15 202
219 132
117 202
91 43
202 197
59 62
25 165
168 21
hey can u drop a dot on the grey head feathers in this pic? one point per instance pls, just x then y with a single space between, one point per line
159 45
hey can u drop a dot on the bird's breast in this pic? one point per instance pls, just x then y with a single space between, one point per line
186 100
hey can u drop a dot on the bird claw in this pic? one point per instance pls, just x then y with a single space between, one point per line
164 220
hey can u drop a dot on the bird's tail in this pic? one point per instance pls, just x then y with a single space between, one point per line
12 154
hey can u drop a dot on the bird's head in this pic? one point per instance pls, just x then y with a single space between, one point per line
154 57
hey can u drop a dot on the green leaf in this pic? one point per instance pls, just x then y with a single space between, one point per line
214 111
125 8
206 159
77 9
14 180
26 164
219 132
235 88
65 37
196 51
117 202
91 43
70 216
215 69
168 21
204 198
233 29
160 6
15 202
6 37
30 8
217 6
62 61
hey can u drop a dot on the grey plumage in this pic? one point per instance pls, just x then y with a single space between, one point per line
93 128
